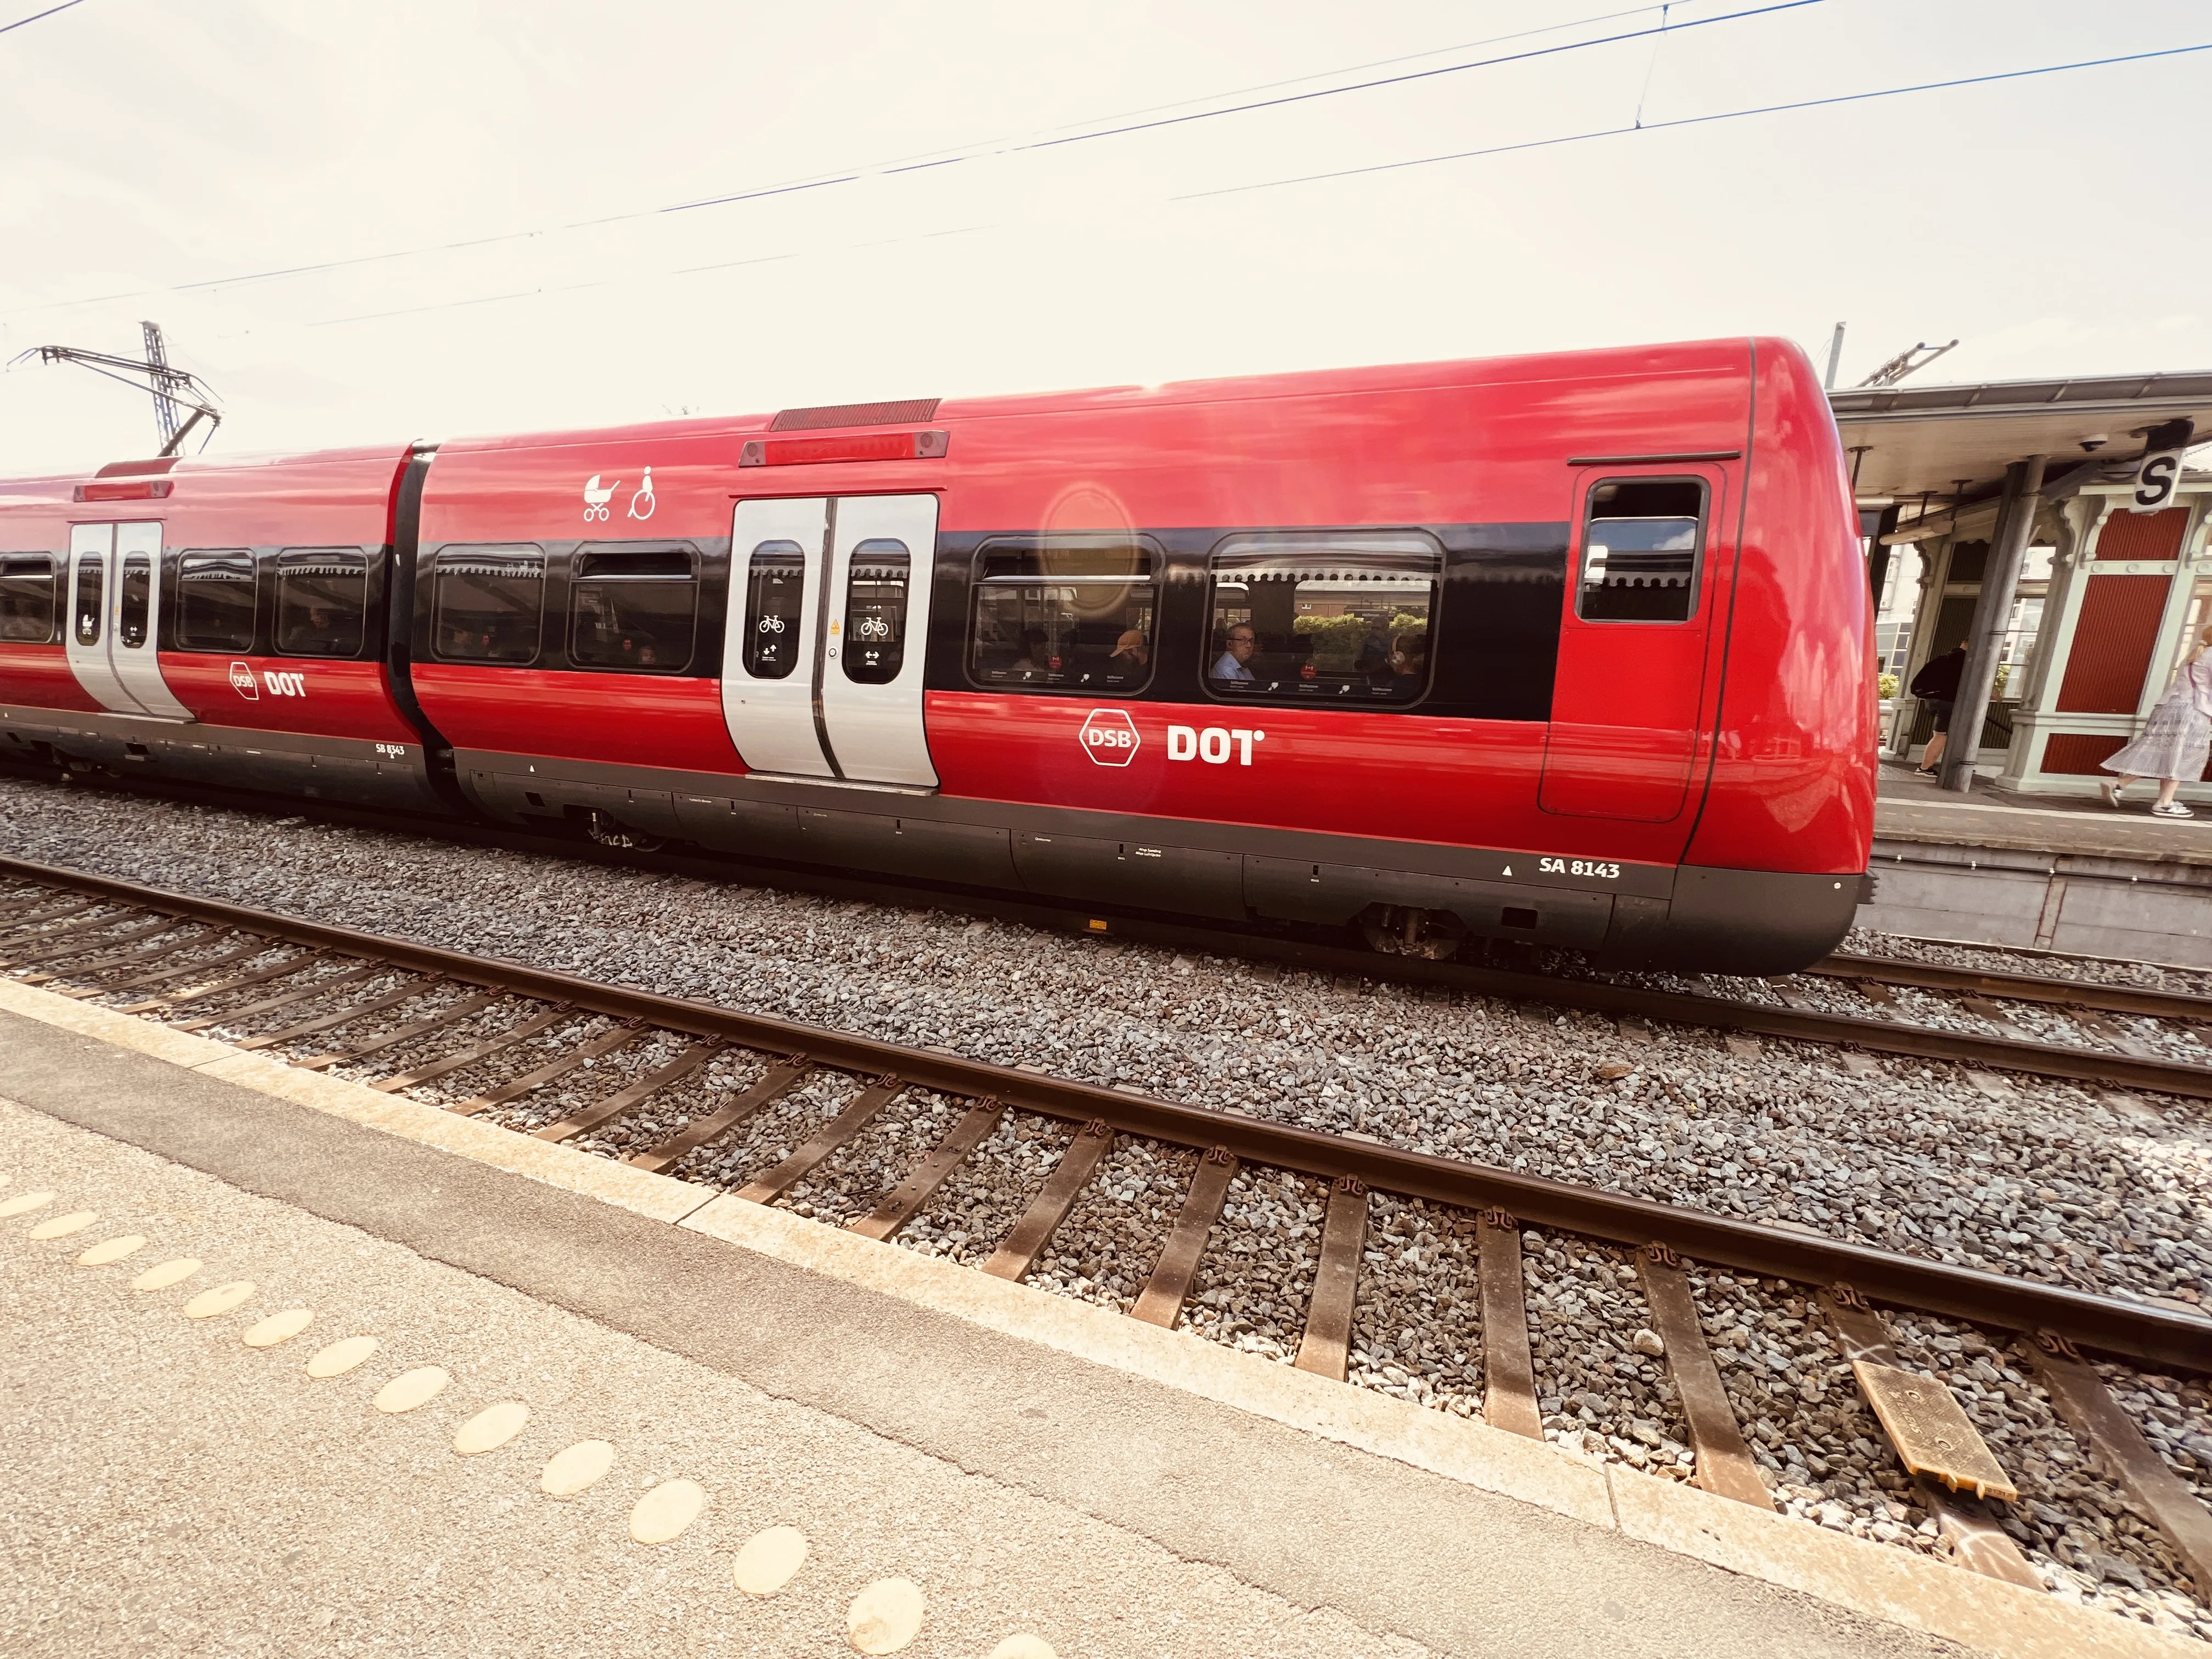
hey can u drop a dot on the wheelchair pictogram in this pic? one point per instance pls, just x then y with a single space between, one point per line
643 498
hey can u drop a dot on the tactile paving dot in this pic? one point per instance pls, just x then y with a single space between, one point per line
567 1473
220 1300
664 1513
112 1249
1024 1646
278 1327
162 1274
884 1617
491 1428
62 1226
411 1388
341 1357
24 1203
768 1560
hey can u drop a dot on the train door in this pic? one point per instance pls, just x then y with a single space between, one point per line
133 644
878 617
1632 645
115 573
91 616
823 657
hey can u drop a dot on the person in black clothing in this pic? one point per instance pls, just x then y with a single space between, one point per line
1937 685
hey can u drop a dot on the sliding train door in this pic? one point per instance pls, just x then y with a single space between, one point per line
828 610
114 600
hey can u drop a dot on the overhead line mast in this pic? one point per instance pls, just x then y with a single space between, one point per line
173 389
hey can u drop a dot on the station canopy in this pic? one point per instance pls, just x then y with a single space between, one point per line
1907 442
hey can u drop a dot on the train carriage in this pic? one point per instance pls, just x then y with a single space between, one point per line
1572 649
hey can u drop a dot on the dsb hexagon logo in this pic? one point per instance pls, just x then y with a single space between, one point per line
1109 737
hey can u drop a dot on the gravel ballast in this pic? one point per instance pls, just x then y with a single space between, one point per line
2046 1179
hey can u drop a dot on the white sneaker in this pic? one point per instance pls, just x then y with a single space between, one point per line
2173 809
2111 791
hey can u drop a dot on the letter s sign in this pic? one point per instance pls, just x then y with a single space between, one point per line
2154 480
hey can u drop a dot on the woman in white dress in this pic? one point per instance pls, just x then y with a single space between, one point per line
2174 743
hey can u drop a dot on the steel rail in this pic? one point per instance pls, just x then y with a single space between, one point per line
2105 1323
2018 988
2026 1056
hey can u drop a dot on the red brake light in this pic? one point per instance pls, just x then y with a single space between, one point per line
125 489
850 447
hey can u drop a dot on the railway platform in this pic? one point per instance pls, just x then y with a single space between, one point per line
1023 1474
1992 867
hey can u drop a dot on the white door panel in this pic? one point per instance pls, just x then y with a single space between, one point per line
92 606
771 646
882 549
133 645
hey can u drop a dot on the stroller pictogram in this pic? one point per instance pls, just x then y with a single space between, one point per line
595 499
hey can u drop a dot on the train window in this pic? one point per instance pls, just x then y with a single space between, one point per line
776 595
322 601
1641 538
487 604
1070 613
1316 617
91 595
26 598
215 600
875 611
632 610
134 599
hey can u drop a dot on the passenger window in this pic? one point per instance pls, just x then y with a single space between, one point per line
1641 538
91 594
632 610
26 598
1323 618
487 604
1064 613
875 611
322 601
137 598
215 600
775 600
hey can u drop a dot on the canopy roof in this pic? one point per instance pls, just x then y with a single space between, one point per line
1924 439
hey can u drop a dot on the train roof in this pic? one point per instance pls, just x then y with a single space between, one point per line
1727 355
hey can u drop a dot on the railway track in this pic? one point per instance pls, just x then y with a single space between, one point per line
323 997
2121 1037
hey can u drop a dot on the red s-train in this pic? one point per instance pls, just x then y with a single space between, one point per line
1572 649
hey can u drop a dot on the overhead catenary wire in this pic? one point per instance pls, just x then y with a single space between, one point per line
1642 126
1634 129
1057 139
1528 56
21 22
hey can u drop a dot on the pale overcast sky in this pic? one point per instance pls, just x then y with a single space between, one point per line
160 155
